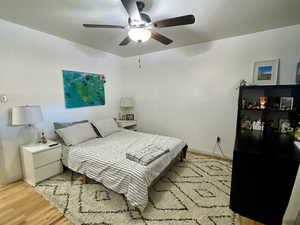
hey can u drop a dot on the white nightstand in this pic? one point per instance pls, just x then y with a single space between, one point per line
128 124
39 162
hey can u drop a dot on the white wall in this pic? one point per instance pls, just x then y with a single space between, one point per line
190 92
31 65
2 168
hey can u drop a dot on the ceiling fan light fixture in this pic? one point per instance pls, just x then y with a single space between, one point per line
139 34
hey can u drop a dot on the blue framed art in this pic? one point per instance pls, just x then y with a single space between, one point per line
266 72
83 89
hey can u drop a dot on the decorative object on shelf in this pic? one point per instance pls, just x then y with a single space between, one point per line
258 125
243 83
130 116
297 133
126 105
286 103
263 102
27 116
43 138
83 89
298 73
266 72
253 106
244 103
3 98
284 126
246 124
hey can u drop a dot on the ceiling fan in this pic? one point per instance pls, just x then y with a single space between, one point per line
140 26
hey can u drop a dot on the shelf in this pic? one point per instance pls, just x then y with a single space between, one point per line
262 143
270 86
268 110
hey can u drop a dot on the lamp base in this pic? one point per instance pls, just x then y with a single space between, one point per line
29 135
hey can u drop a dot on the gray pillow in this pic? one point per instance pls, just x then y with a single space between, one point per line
58 125
106 127
77 133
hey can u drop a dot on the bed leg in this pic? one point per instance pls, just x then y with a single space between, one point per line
183 153
84 179
136 209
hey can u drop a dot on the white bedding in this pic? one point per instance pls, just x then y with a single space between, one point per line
104 160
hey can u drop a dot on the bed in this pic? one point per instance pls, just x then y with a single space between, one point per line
104 160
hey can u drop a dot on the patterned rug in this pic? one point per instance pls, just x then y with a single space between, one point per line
195 192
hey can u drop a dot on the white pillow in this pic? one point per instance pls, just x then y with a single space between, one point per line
106 127
76 134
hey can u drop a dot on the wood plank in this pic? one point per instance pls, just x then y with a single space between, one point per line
19 220
24 206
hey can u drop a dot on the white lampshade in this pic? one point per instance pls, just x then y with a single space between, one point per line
139 34
26 115
126 102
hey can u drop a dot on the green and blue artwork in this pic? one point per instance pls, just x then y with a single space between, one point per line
83 89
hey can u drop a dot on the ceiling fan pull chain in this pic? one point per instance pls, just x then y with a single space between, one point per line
140 65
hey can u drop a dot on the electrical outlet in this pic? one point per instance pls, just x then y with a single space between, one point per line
218 139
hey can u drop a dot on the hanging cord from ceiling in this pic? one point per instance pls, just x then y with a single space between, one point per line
139 62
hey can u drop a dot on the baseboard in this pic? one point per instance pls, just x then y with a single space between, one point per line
208 154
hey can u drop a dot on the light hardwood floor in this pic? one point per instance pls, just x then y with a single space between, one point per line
20 204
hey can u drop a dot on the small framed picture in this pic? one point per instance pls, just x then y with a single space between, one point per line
286 103
266 72
285 126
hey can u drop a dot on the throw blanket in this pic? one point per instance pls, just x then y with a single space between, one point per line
147 154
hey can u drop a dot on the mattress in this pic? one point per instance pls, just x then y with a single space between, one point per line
104 160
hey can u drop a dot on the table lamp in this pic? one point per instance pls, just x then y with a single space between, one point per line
125 104
27 116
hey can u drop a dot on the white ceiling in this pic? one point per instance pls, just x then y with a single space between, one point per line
215 19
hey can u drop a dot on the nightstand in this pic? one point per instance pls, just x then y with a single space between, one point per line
39 162
128 124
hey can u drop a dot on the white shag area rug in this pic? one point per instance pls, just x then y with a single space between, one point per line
194 192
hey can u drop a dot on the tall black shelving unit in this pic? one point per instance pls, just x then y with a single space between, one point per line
265 161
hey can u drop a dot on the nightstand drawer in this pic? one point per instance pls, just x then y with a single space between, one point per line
47 171
43 158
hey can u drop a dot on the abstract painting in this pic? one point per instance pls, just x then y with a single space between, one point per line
83 89
266 72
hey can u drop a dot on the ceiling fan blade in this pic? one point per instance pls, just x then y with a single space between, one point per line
132 9
102 26
161 38
176 21
126 41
